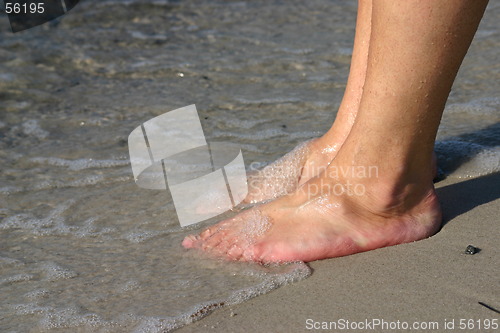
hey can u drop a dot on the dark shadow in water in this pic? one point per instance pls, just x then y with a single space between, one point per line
459 198
488 137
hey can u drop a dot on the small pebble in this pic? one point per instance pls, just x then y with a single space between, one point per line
472 250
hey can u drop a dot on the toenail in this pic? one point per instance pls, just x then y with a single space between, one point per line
192 237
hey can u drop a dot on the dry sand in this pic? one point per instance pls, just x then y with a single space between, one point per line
427 281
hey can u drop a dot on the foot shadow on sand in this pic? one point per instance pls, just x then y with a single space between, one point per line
457 199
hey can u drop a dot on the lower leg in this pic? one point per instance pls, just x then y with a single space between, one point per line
310 158
326 147
416 48
349 106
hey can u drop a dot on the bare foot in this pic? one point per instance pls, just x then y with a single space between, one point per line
329 216
284 175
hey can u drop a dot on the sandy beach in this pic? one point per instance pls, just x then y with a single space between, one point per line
426 282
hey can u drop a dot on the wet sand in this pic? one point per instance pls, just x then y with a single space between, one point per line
432 280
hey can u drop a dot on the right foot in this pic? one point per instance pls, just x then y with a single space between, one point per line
329 216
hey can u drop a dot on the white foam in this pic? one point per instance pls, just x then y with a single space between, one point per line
140 35
277 100
286 274
37 294
296 51
53 224
304 135
79 164
82 182
54 309
141 236
467 160
32 128
38 225
9 262
345 51
255 224
478 107
54 271
130 285
10 190
30 309
256 135
73 318
280 177
16 278
156 325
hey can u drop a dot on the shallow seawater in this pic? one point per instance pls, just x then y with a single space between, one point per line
82 248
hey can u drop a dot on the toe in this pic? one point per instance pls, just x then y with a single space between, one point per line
207 233
190 241
248 254
224 246
235 252
213 241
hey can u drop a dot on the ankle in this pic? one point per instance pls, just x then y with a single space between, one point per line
397 198
380 191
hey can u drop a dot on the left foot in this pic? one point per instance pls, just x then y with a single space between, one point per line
329 216
284 175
